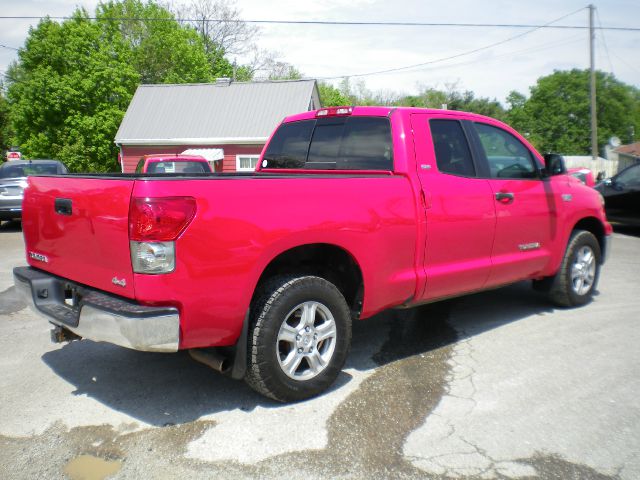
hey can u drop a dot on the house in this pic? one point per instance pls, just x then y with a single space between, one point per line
226 122
627 155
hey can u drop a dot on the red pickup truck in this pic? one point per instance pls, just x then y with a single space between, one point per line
351 211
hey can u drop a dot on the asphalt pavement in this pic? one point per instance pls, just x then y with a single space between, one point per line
493 385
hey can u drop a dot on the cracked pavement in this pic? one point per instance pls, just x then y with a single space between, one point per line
493 385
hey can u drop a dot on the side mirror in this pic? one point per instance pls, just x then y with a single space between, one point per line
554 164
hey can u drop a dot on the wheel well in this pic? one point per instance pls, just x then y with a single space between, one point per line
593 225
323 260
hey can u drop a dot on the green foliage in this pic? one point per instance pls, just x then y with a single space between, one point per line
162 51
330 96
556 116
4 122
74 80
348 93
455 100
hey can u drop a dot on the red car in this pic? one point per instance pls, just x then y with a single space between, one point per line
584 175
173 164
351 211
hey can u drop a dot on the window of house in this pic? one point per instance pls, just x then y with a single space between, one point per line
246 163
507 156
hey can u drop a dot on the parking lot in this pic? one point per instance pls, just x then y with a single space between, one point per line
493 385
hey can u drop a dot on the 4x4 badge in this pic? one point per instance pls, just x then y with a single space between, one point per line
120 283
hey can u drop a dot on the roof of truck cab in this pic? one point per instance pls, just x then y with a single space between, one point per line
383 111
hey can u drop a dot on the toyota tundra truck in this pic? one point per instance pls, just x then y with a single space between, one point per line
351 211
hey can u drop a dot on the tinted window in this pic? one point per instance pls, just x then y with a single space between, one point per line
451 148
344 143
290 144
14 171
629 177
507 156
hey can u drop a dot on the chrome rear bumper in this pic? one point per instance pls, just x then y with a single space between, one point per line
98 316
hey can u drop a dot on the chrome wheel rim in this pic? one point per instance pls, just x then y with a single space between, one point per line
306 341
583 270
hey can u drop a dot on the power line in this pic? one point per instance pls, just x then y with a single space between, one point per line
321 22
10 48
604 41
451 57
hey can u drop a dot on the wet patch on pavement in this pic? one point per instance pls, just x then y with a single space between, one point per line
10 301
88 467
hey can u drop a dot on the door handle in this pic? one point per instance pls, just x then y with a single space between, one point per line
63 206
504 197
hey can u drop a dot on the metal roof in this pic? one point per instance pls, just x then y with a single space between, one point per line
219 113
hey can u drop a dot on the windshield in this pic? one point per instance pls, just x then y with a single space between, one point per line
22 170
178 167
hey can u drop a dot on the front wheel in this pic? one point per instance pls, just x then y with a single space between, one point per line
577 278
299 338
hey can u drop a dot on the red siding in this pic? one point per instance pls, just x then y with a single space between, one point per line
132 154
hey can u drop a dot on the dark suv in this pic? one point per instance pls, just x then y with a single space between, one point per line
13 179
622 195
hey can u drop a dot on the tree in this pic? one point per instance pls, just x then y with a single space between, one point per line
556 116
74 80
162 50
4 121
330 96
455 99
68 92
225 35
219 25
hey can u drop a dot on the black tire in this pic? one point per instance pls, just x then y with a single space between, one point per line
280 302
565 288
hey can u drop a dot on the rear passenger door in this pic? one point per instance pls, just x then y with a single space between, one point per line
459 208
523 201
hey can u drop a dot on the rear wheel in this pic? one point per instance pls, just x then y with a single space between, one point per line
577 278
299 338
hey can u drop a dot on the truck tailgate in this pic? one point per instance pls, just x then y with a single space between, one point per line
77 228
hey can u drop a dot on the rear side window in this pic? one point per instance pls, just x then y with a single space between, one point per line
452 151
340 143
507 156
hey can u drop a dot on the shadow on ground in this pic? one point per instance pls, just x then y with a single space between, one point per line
168 389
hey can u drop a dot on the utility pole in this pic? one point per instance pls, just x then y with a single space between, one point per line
594 119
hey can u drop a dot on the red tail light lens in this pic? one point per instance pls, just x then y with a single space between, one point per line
160 219
334 111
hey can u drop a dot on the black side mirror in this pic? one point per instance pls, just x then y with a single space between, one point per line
554 164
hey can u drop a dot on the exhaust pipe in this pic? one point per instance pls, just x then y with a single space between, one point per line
211 358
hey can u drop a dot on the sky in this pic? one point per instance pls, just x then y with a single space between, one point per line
321 51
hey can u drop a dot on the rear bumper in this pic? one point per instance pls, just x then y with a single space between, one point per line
98 316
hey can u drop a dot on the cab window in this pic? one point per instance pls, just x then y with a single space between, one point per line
507 156
453 155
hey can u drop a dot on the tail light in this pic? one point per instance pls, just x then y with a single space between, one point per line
160 219
334 111
154 225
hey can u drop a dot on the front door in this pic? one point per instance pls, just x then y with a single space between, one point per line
523 201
